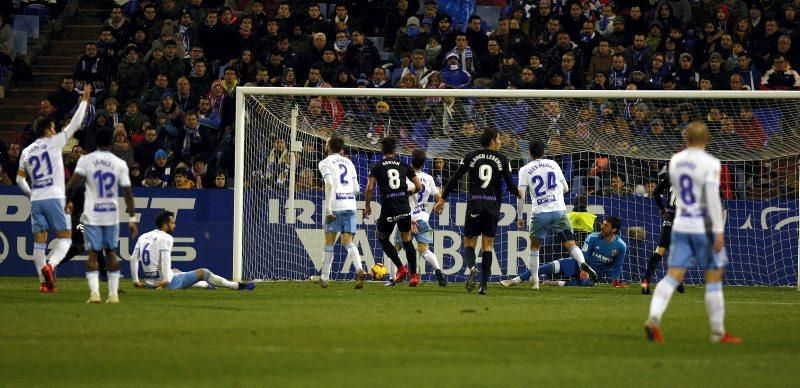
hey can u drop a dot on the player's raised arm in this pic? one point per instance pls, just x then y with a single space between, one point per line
451 184
80 113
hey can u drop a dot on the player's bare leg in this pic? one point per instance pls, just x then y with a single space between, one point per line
577 254
487 246
352 254
93 277
469 255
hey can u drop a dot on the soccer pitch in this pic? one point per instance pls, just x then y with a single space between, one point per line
297 334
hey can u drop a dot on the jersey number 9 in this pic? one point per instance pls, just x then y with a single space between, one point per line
485 175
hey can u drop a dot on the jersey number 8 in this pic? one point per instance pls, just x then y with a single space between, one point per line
394 179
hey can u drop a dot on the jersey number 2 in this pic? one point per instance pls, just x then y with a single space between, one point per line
538 182
37 164
343 175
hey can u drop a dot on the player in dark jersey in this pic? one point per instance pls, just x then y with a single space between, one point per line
390 175
487 169
667 216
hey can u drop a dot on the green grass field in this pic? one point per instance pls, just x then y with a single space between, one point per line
296 334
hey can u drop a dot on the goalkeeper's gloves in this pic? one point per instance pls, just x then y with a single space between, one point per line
618 284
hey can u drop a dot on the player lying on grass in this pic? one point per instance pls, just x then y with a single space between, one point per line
547 186
420 229
341 188
604 251
154 250
698 234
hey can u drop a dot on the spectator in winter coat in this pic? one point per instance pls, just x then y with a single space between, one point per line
453 75
361 55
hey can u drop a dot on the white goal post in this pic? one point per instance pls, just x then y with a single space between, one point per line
605 136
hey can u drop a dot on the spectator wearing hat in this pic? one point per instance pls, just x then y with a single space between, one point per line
122 146
152 178
170 109
162 166
381 125
751 77
620 37
361 55
509 70
716 72
410 38
453 75
429 18
136 175
445 33
685 76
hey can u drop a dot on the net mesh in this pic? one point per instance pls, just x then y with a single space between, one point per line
611 151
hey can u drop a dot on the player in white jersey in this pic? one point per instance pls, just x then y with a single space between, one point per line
154 250
547 185
341 188
43 163
697 234
104 173
421 231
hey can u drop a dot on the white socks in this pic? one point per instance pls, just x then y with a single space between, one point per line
533 262
352 253
38 259
661 297
58 253
431 259
113 283
327 262
219 281
577 254
715 306
94 282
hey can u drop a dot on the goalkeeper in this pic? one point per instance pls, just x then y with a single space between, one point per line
604 252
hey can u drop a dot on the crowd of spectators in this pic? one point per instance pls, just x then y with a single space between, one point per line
165 73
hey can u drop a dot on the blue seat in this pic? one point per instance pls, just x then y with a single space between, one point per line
28 24
508 116
20 43
488 13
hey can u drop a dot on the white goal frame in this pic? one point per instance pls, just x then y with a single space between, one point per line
244 92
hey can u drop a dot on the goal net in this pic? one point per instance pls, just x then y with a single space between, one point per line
611 145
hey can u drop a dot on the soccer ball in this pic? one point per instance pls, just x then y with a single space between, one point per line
378 271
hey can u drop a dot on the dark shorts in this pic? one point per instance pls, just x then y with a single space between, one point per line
386 223
480 223
666 233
